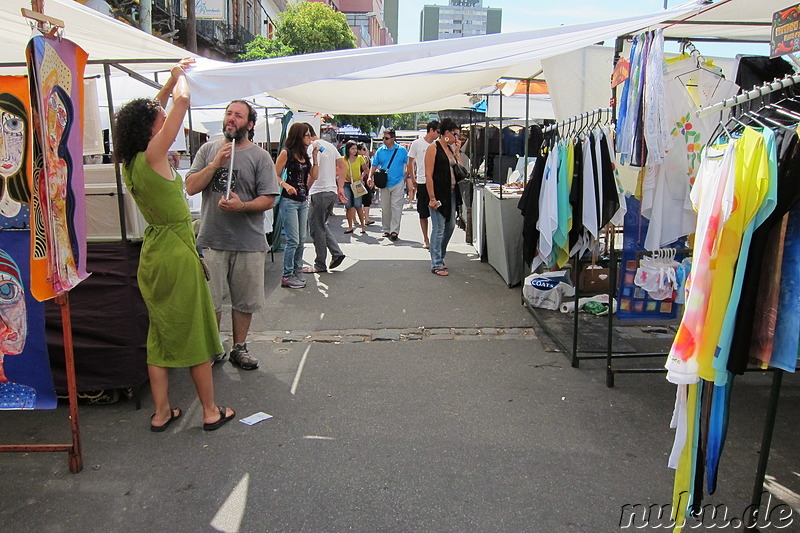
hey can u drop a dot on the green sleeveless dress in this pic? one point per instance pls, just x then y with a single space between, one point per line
183 326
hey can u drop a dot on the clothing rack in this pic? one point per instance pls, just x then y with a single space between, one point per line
610 355
572 352
756 92
777 377
594 113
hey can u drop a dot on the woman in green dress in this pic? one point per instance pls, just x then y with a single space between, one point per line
183 327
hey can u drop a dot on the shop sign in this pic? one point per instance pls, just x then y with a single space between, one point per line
785 31
207 9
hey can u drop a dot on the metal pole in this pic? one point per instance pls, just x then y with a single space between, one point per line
486 143
499 166
527 127
763 456
269 139
123 230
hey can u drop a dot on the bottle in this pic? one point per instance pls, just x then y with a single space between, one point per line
319 146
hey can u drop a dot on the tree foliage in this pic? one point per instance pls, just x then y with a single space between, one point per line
373 123
304 28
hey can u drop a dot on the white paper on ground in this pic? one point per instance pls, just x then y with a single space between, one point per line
255 418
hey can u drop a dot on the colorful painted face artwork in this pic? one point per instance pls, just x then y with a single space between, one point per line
59 230
15 165
25 378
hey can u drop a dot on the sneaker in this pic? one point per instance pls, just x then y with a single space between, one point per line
220 357
242 358
298 275
291 282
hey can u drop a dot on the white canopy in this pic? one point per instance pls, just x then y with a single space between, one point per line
101 36
388 79
406 77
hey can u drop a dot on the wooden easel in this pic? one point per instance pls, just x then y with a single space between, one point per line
73 449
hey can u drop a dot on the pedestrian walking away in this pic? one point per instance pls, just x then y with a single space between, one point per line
232 220
323 194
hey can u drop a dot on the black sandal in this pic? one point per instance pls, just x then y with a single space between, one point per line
222 419
174 414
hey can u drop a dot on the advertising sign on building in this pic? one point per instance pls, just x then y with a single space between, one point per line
785 31
207 9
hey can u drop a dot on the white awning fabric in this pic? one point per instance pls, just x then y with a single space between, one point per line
101 36
739 20
388 79
406 77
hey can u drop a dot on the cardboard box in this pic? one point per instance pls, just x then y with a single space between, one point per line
593 279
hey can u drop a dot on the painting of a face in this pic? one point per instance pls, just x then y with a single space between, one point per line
13 316
12 147
56 120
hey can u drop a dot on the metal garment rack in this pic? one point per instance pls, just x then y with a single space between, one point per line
610 355
588 116
753 94
777 376
572 353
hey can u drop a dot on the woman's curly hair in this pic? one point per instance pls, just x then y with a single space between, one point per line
133 128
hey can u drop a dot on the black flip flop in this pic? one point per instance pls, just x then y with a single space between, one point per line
163 427
222 419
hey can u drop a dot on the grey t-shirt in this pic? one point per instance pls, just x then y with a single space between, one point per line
253 175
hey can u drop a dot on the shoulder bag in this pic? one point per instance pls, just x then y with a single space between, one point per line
381 176
460 172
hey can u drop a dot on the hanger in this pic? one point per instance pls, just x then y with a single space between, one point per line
43 22
782 111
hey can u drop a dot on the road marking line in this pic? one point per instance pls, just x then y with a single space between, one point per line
229 517
299 371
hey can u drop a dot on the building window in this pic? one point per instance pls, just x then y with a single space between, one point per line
248 17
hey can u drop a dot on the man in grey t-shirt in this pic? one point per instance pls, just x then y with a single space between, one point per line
232 230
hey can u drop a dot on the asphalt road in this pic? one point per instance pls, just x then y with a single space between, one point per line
464 422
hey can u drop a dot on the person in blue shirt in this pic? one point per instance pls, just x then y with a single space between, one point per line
393 158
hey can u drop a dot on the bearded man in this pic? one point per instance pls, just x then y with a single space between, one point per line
231 235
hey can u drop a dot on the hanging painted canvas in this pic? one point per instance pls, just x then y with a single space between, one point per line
58 237
25 378
15 163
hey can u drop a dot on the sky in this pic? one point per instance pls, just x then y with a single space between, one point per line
521 15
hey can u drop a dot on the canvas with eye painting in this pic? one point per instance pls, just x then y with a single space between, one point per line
25 378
